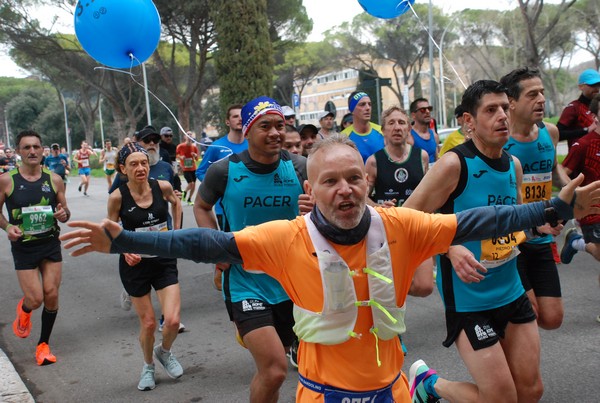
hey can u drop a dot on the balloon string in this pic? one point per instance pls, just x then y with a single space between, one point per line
130 73
437 46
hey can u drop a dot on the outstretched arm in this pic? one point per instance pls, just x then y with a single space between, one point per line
197 244
494 221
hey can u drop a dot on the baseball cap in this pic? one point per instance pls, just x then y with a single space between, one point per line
55 146
166 130
145 132
324 114
307 127
589 77
287 111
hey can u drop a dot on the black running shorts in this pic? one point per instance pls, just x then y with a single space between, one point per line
538 270
251 314
28 256
485 328
156 272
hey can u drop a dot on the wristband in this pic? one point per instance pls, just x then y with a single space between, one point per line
7 227
550 214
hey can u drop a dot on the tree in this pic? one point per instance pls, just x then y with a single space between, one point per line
182 57
303 63
244 59
587 15
531 11
401 41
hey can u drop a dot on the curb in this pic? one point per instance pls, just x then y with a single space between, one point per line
12 388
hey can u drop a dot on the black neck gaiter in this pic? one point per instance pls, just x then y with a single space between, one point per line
341 236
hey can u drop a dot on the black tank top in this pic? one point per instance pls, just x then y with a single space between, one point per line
397 180
136 218
31 206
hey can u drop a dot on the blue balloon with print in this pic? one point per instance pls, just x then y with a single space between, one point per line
112 30
386 8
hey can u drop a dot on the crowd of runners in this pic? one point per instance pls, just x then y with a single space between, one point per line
318 237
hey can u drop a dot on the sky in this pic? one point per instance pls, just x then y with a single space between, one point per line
325 15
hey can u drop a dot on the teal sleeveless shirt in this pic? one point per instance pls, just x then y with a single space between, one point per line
483 182
252 199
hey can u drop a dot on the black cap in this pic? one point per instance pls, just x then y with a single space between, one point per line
145 132
55 146
308 127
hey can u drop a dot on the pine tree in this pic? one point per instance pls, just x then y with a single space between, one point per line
244 59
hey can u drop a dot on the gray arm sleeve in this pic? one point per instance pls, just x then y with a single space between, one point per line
496 221
197 244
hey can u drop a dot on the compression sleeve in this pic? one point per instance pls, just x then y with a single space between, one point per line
495 221
197 244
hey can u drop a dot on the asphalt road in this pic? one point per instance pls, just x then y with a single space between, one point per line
99 359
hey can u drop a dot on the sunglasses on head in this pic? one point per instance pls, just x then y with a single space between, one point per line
151 139
425 109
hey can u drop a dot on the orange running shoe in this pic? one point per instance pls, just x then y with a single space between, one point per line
22 323
43 355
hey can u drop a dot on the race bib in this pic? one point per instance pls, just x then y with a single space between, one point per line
497 251
536 187
37 219
110 165
85 163
188 162
161 227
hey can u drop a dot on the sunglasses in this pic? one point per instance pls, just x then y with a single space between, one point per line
425 109
149 140
167 135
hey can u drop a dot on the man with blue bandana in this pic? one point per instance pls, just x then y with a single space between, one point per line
364 133
261 184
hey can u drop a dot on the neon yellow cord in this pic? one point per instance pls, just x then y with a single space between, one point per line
381 277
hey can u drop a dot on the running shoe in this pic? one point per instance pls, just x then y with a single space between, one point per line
125 301
217 276
22 323
79 188
568 251
418 373
293 354
169 362
43 355
147 378
161 322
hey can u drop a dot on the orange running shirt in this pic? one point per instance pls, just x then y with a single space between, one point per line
283 250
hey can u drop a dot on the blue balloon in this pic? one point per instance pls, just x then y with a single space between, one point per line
386 8
112 30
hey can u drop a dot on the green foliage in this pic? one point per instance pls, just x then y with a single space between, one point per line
244 59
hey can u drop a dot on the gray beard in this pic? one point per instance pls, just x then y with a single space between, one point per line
153 158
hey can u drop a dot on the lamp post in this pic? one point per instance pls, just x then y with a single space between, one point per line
68 140
146 94
441 58
430 28
101 123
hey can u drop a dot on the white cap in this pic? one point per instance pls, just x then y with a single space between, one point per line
324 114
287 111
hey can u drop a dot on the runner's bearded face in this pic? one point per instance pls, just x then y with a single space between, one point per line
338 182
